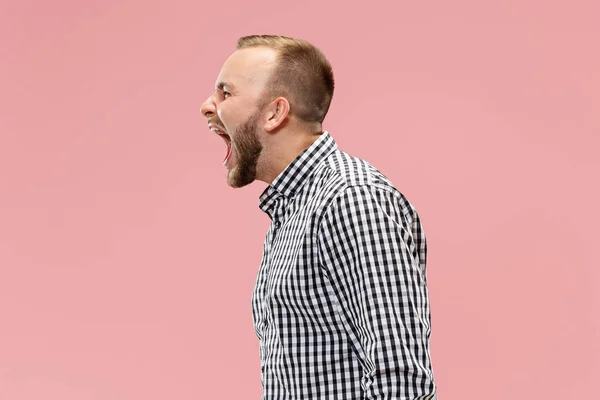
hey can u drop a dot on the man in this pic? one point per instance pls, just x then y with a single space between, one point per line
340 304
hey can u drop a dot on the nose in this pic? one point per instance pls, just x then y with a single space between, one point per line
208 108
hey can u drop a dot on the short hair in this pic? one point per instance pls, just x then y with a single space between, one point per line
303 74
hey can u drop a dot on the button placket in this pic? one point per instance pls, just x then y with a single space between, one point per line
278 215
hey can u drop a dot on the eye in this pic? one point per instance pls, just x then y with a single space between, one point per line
226 94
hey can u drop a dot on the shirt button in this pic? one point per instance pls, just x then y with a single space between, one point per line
277 224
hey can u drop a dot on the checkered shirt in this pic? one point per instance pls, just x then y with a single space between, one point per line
340 305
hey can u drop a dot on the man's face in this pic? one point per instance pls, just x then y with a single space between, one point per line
234 111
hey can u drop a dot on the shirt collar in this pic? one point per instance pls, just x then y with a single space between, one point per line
293 177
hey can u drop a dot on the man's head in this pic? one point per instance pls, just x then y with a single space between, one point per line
270 88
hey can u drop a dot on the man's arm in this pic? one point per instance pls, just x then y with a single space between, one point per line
373 250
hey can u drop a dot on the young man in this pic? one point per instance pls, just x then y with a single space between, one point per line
340 304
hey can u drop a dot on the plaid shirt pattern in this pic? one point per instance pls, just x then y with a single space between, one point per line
340 304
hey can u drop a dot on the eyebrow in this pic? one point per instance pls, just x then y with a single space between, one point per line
222 85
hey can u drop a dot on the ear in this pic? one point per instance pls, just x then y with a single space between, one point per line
277 112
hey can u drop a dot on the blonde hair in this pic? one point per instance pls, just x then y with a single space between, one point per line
303 74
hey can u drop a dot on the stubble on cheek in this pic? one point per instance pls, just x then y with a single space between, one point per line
247 149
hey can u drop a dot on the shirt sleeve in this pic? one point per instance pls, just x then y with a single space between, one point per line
372 249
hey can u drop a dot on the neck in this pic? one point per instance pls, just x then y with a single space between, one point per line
282 149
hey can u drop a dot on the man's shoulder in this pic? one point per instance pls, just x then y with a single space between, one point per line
343 175
353 171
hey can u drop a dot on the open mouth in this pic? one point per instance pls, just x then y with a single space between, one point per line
227 139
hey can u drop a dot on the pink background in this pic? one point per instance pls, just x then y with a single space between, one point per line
127 264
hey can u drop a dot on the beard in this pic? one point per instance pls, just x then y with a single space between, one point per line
248 149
